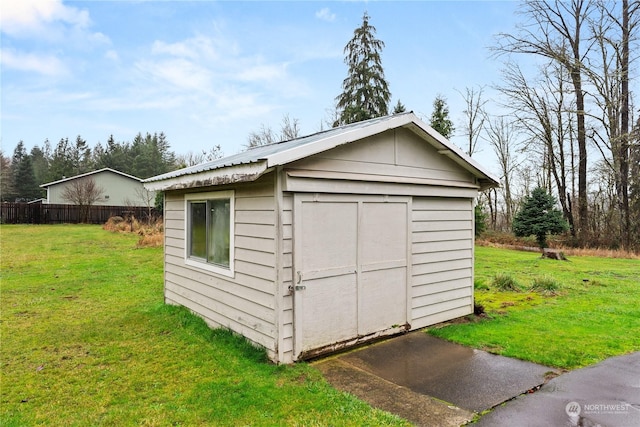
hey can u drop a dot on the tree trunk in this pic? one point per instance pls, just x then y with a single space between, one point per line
623 187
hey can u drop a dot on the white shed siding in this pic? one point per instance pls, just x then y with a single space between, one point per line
287 278
399 154
442 259
246 302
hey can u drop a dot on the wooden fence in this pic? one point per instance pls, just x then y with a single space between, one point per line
39 213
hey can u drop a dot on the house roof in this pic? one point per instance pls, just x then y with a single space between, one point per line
48 184
253 163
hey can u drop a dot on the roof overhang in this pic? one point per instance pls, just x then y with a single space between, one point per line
228 175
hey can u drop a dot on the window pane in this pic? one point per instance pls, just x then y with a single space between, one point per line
198 230
219 218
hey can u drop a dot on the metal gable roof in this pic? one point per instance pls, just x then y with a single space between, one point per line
251 164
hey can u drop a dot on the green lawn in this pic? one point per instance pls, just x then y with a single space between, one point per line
593 314
87 340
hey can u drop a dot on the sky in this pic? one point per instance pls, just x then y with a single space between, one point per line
208 73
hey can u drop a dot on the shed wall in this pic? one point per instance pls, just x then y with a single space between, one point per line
396 162
244 303
442 259
397 156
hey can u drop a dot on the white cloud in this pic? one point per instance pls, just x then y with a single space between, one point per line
325 14
263 72
33 16
194 48
112 55
47 65
180 74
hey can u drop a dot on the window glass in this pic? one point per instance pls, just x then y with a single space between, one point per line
198 230
209 231
218 239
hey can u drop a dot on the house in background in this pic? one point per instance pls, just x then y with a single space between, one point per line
326 241
116 189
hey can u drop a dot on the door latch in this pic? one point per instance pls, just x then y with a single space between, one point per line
299 287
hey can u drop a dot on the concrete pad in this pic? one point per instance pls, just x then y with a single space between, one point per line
419 409
470 379
605 394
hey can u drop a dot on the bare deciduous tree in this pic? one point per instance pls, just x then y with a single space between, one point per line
82 192
609 73
501 135
145 198
554 30
289 129
192 159
474 116
542 113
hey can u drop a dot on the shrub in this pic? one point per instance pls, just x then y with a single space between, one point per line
547 285
151 233
504 282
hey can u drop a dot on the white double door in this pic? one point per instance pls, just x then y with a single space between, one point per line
350 267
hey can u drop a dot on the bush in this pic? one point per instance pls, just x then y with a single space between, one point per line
546 285
151 233
504 282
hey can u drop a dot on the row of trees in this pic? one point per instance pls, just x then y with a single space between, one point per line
145 156
544 128
546 124
577 102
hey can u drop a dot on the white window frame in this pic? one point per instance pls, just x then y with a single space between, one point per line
202 264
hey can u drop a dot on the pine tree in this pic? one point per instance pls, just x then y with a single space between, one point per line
61 164
24 179
6 178
539 217
365 92
440 117
399 108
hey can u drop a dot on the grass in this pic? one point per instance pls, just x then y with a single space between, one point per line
566 314
87 340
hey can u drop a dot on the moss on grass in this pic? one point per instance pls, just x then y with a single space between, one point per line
591 315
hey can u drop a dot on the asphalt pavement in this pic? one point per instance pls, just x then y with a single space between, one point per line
604 394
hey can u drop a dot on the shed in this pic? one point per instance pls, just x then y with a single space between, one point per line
322 242
116 189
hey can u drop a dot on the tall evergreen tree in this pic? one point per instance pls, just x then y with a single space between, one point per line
6 178
61 164
365 92
151 155
399 108
40 164
440 117
24 180
80 157
118 156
